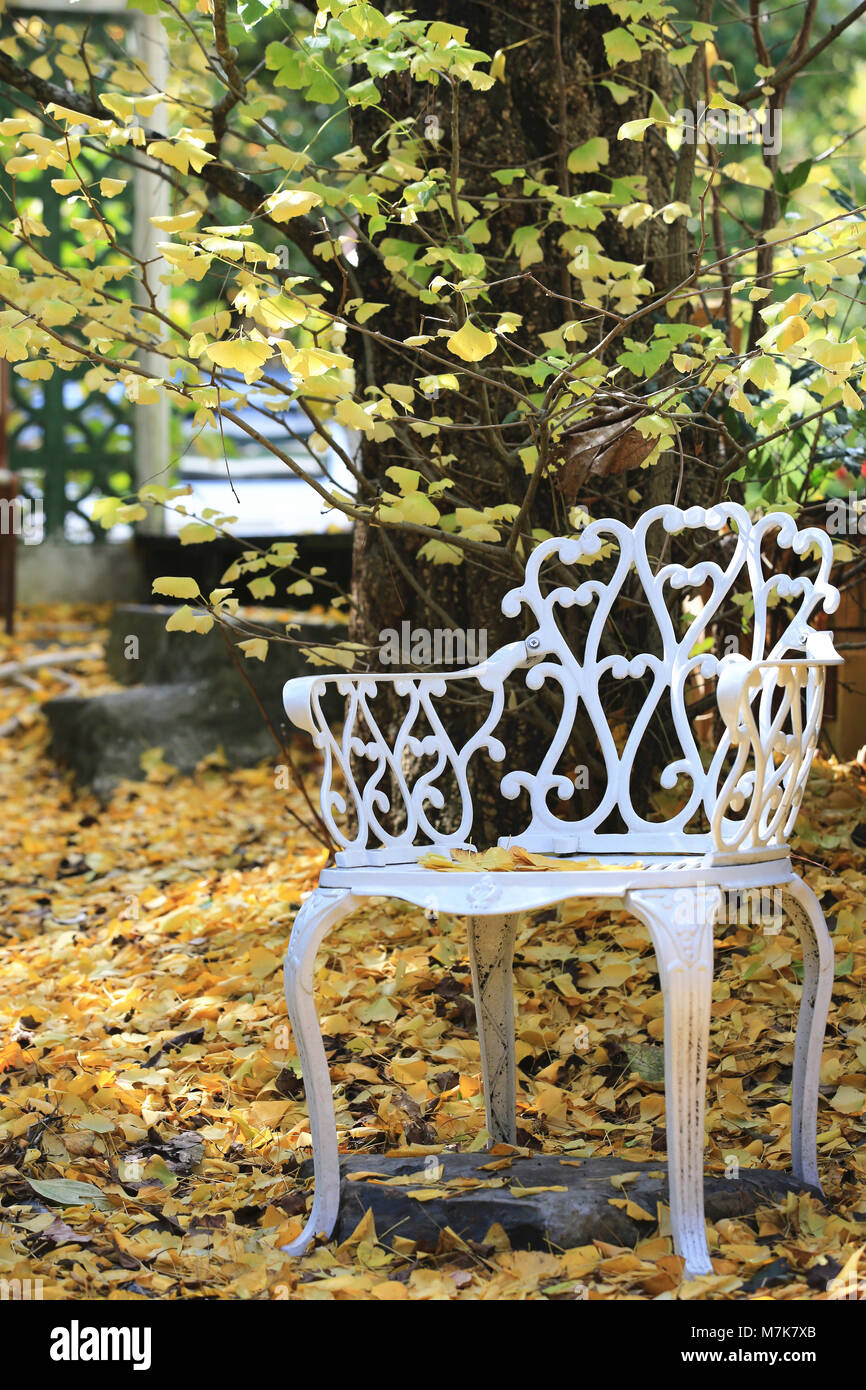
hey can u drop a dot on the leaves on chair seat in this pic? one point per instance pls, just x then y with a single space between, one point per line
499 859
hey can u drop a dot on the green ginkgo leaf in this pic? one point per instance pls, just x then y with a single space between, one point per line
69 1193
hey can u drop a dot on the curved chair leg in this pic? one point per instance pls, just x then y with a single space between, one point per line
491 949
804 910
321 911
680 922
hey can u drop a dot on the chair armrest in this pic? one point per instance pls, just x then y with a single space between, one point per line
773 734
364 801
297 701
820 650
738 675
298 693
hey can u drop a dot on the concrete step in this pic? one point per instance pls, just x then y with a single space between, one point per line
185 695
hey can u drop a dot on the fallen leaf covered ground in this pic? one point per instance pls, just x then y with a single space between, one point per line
152 1119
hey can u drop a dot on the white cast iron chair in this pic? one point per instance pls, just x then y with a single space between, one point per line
748 793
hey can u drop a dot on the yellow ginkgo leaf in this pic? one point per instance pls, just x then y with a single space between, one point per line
586 159
35 371
471 343
751 171
795 328
24 164
180 154
124 107
176 586
441 553
194 266
836 357
241 355
404 394
290 160
63 113
278 310
415 509
671 211
119 105
307 362
183 222
407 479
15 125
353 416
255 648
187 620
292 202
366 311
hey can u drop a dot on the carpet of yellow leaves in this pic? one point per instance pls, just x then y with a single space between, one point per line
145 1052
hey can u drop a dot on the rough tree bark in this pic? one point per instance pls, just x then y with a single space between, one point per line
547 105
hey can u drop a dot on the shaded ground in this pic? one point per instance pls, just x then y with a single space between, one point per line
145 1052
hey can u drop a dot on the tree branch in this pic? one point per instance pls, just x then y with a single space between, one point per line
303 232
237 88
791 66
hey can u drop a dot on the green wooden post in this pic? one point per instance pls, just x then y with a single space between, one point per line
53 444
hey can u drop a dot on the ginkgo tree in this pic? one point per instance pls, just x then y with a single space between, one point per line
529 289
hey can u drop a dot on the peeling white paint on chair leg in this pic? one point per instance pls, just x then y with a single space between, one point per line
804 910
680 922
491 949
321 911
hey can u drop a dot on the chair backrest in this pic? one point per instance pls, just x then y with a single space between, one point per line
766 796
747 790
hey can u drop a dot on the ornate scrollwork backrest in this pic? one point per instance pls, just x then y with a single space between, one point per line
749 791
772 760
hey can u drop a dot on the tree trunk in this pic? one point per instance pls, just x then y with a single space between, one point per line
548 104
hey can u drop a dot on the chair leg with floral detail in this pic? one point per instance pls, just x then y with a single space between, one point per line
322 910
680 922
802 907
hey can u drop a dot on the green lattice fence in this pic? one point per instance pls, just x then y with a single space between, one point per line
69 444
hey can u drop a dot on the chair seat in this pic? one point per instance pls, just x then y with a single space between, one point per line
462 892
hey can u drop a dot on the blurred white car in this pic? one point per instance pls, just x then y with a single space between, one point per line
272 500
